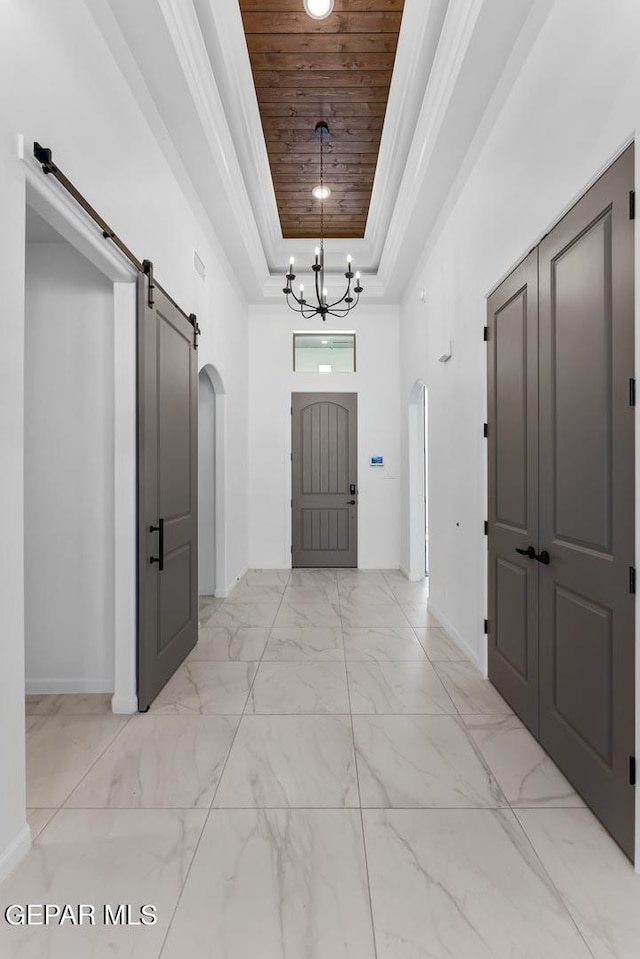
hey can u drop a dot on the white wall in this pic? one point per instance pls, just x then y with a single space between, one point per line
271 383
565 119
84 111
69 473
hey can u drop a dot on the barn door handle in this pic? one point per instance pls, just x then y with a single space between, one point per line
160 530
529 551
543 558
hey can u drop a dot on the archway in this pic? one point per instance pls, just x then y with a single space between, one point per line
211 486
418 413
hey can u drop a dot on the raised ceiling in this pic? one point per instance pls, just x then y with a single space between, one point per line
339 70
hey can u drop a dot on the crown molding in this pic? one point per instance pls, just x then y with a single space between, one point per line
454 42
417 45
184 31
223 36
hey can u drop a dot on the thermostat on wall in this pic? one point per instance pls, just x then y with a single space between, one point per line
377 461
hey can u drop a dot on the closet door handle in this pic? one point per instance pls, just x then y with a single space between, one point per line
529 551
160 530
543 558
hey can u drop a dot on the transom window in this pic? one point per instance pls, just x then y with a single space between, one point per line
324 352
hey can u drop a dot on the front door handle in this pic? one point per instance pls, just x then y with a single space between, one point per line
351 502
529 551
160 530
543 558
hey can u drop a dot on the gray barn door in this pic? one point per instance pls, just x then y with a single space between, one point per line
561 496
324 454
513 489
587 498
167 492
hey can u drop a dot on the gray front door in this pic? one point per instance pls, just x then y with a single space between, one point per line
167 492
324 461
561 496
587 498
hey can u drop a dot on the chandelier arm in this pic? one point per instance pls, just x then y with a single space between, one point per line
342 298
348 308
298 301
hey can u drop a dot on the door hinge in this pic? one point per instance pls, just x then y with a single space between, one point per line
632 770
292 547
632 579
291 457
486 527
486 627
196 329
632 204
485 430
147 266
632 392
486 333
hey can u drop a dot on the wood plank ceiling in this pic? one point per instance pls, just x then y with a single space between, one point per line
338 70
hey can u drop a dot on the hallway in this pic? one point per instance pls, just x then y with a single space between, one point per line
326 777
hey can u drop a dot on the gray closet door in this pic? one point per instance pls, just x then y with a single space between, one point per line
587 498
324 454
513 489
167 492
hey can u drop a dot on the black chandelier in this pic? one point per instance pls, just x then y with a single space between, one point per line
324 308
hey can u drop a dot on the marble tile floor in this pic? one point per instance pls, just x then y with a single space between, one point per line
326 777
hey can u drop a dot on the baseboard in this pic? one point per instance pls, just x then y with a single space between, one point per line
232 585
405 572
456 637
15 851
124 705
44 686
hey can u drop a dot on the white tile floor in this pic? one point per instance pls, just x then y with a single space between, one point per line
326 777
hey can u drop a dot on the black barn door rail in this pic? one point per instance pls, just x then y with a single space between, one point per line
44 156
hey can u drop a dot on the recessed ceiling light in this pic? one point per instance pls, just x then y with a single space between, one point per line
321 192
318 9
324 342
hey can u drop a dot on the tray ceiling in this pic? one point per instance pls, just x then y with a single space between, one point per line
339 70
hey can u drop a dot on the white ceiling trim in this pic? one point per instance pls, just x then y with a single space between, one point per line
191 52
454 43
419 39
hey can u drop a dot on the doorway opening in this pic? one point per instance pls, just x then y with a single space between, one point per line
418 441
206 485
212 580
69 468
80 488
425 474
